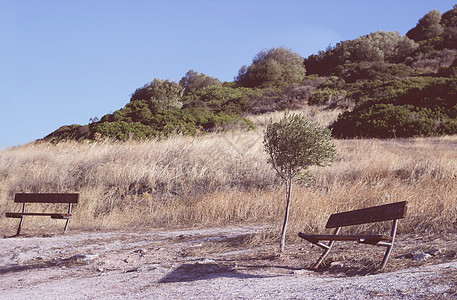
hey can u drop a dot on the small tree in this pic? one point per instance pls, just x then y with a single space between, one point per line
160 95
293 145
274 67
428 27
193 81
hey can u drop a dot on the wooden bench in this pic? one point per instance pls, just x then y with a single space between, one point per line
387 212
54 198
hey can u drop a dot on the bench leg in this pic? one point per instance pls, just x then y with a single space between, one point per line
66 225
68 220
22 220
389 248
327 251
20 226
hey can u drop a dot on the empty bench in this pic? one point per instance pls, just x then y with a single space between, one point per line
54 198
388 212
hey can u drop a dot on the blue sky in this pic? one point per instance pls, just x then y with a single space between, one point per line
66 61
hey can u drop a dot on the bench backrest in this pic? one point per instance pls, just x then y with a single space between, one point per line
380 213
46 198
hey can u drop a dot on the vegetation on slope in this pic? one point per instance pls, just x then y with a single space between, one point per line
404 108
390 86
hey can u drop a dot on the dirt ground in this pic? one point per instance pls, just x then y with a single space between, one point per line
220 263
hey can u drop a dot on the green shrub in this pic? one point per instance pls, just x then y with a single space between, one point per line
275 67
223 99
160 95
123 130
326 95
391 121
69 132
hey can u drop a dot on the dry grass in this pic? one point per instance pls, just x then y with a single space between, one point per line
317 113
224 179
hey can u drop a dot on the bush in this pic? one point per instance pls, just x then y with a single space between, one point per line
391 121
275 67
327 95
194 81
159 95
412 107
380 47
123 130
68 132
221 99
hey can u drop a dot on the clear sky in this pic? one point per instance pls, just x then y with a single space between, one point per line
65 61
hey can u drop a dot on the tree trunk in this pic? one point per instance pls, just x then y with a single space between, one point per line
286 216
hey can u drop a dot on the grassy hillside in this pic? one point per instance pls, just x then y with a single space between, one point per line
224 179
378 79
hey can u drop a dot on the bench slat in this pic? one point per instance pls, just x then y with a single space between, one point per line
52 215
380 213
46 198
337 237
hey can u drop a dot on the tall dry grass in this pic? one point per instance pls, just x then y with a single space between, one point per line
225 179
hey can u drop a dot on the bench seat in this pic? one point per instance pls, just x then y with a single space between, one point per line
52 215
367 239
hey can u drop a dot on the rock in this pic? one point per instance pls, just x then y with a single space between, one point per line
336 264
128 260
408 255
300 272
207 261
141 252
83 257
153 266
421 256
138 269
435 252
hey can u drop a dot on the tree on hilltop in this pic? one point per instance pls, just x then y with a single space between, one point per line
159 95
429 26
273 67
449 18
379 46
194 81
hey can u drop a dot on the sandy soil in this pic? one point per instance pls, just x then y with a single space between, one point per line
219 263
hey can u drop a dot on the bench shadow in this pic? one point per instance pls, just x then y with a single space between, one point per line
30 235
198 271
67 262
351 269
20 268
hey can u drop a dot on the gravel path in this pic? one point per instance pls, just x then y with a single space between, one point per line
191 264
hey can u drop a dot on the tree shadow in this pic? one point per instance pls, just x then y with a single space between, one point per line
205 271
352 268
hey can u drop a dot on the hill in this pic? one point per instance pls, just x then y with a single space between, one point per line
389 86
